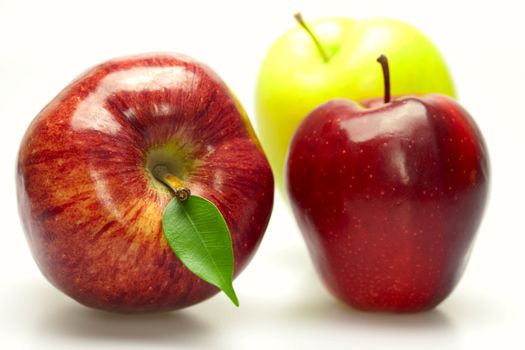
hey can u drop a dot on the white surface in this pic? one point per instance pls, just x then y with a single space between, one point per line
45 44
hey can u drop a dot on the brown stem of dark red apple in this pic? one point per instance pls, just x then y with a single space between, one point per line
300 20
162 173
386 76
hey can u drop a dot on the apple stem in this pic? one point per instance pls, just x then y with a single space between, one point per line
386 76
162 173
300 20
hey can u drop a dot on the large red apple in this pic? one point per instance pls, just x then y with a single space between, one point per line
389 197
90 204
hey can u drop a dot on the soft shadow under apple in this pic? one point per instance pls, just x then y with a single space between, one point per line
316 306
47 313
433 320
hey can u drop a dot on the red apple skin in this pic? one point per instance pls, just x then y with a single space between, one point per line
389 198
91 209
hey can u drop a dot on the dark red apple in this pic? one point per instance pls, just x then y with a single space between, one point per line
89 203
389 197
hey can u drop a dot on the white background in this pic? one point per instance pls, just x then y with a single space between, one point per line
45 44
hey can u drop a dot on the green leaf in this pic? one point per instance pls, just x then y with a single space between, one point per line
197 233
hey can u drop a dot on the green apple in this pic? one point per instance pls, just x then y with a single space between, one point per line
336 57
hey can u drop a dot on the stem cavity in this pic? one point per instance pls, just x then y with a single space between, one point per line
386 76
322 52
161 173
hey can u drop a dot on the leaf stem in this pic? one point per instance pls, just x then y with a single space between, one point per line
300 20
162 173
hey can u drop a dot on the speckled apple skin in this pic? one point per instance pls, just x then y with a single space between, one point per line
389 198
91 209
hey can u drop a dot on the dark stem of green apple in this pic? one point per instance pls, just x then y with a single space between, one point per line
162 173
299 19
386 76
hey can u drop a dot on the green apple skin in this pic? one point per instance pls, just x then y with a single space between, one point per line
294 79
